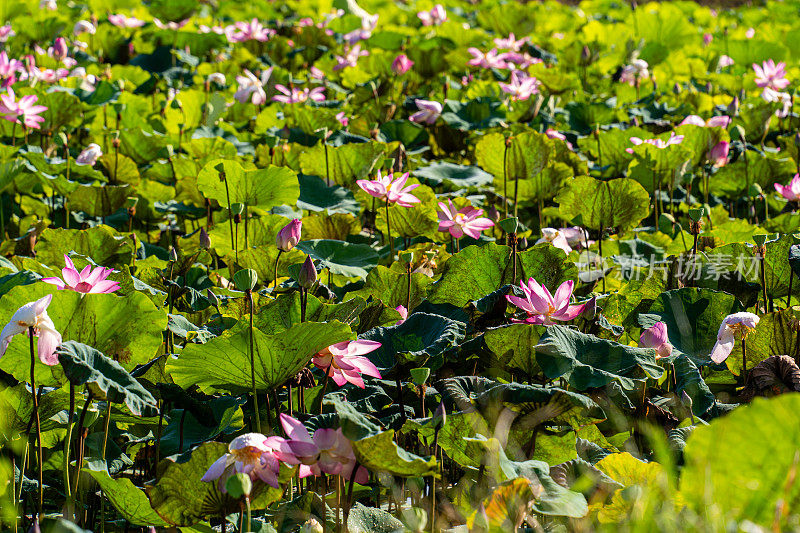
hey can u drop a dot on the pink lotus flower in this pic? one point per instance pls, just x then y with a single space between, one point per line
48 75
34 315
490 59
737 324
328 451
467 220
24 111
171 25
87 281
658 143
511 43
342 118
289 235
6 32
544 308
785 99
771 75
521 87
656 337
390 189
8 70
252 88
636 71
555 237
401 64
707 38
750 33
298 96
434 17
343 362
89 155
217 77
721 121
250 31
725 61
428 112
356 35
718 155
403 314
83 26
555 134
350 58
523 61
792 191
121 21
253 454
576 237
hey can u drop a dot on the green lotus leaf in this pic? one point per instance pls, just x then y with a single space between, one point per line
342 165
129 500
476 271
223 363
744 480
620 203
129 328
264 188
104 245
84 365
587 361
343 258
391 286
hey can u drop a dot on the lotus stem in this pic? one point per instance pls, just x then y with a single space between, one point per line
65 463
762 255
349 499
389 234
40 464
744 361
324 387
253 364
789 296
505 181
275 275
79 449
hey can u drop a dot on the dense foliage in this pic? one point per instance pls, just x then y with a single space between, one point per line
397 266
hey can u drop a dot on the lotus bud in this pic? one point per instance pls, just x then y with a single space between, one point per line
696 214
586 55
739 130
718 155
212 298
220 168
440 416
733 107
760 239
797 139
755 191
60 49
246 279
676 88
239 485
307 276
205 240
401 64
289 236
62 139
406 257
173 254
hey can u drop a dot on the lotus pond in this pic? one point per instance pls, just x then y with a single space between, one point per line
312 266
